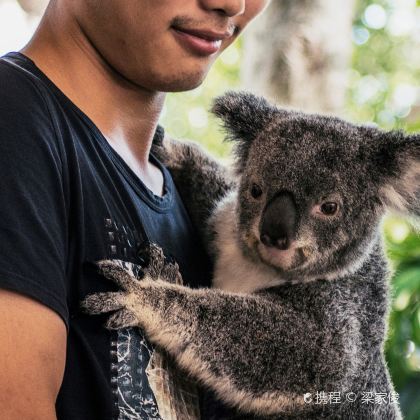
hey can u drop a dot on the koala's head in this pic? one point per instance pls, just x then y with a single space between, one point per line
313 189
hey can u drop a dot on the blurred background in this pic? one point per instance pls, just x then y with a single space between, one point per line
359 59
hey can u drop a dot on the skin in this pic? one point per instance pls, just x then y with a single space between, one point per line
126 72
32 358
117 72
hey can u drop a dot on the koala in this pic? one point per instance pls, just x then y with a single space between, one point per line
300 299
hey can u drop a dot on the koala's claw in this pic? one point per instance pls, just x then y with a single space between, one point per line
113 270
130 278
122 319
156 261
171 273
156 266
99 303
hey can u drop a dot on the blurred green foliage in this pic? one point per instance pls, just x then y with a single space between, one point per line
403 345
383 89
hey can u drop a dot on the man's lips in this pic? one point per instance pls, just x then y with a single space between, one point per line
201 42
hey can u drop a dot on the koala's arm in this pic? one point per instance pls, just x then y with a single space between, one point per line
256 352
201 180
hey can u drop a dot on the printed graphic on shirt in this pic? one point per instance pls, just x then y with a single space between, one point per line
136 399
146 383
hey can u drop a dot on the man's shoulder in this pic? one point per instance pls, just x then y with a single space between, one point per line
28 125
20 88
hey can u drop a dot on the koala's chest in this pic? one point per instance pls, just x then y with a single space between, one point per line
235 273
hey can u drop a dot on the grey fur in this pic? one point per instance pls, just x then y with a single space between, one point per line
282 326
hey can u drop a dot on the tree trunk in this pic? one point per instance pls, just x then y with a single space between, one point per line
298 52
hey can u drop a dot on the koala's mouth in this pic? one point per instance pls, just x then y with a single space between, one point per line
286 260
294 261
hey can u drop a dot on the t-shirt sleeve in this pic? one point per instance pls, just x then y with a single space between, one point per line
33 215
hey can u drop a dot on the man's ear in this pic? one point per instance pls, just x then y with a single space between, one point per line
400 191
244 117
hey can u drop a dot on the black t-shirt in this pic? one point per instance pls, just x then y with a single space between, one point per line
68 199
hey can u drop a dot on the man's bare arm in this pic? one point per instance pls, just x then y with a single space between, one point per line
32 358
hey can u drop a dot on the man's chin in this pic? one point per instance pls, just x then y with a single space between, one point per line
181 85
183 80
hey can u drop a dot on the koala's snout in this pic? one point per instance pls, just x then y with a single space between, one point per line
278 222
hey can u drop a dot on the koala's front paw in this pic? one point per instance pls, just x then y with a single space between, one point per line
121 273
171 273
152 260
100 303
123 302
157 267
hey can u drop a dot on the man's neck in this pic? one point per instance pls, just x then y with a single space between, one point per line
126 114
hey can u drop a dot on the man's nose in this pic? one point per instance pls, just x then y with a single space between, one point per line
229 8
278 224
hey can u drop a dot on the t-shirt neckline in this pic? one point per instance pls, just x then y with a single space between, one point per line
158 203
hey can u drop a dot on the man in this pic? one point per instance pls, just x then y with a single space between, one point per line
78 113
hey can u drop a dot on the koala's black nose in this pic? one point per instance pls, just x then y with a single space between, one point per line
279 221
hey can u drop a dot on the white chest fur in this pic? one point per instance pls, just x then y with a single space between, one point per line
233 271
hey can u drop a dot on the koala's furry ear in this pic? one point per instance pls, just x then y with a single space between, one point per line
401 189
244 117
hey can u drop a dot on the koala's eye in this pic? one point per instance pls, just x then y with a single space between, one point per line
256 191
329 208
